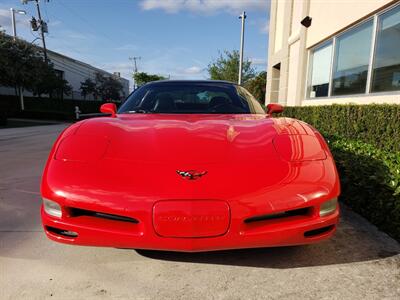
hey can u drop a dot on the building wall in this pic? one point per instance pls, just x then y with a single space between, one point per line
74 72
330 16
290 45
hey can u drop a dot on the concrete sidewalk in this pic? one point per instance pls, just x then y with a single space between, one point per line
360 262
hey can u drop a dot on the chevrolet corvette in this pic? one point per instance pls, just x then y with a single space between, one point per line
190 166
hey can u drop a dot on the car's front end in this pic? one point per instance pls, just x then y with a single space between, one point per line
190 183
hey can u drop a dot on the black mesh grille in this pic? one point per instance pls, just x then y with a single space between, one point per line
281 215
318 231
65 233
77 212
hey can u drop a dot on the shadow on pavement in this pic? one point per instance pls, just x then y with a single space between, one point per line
16 123
355 241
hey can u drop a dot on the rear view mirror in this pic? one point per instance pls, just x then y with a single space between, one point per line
274 108
109 108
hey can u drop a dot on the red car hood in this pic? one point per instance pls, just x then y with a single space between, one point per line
185 138
136 158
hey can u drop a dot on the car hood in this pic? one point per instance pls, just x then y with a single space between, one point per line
188 138
144 152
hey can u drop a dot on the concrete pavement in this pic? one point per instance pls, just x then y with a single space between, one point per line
360 262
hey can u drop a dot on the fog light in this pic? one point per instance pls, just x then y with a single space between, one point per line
52 208
69 233
328 207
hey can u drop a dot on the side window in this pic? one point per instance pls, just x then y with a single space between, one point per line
320 70
386 69
244 98
248 101
352 53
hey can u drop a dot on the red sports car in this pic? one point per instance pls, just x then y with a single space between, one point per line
190 166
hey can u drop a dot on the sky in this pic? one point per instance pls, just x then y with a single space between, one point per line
176 38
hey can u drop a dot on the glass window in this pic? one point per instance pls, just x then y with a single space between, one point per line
386 68
188 97
320 70
352 55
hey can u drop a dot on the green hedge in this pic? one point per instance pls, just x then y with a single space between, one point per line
365 141
375 124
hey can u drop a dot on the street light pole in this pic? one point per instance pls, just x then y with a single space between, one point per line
14 27
13 24
243 17
41 30
135 69
42 26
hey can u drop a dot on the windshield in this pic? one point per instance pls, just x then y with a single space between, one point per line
191 99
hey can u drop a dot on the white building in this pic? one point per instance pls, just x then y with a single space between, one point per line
349 54
75 72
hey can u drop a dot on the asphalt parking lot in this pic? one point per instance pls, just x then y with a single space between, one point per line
360 262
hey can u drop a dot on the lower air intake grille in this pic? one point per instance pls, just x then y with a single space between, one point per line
318 231
290 213
77 212
64 233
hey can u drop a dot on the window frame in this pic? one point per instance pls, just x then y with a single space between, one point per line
375 27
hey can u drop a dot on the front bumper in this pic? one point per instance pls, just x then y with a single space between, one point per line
295 230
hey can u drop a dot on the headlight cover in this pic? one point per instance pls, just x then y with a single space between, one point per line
52 208
82 148
328 207
298 147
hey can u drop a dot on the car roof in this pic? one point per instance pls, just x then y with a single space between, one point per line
190 82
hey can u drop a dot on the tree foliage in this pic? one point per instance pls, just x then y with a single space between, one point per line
47 81
88 87
142 77
103 87
226 67
257 86
22 65
107 87
17 60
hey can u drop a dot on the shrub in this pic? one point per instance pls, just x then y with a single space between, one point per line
375 124
365 141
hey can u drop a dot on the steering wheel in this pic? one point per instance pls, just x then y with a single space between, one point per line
216 108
